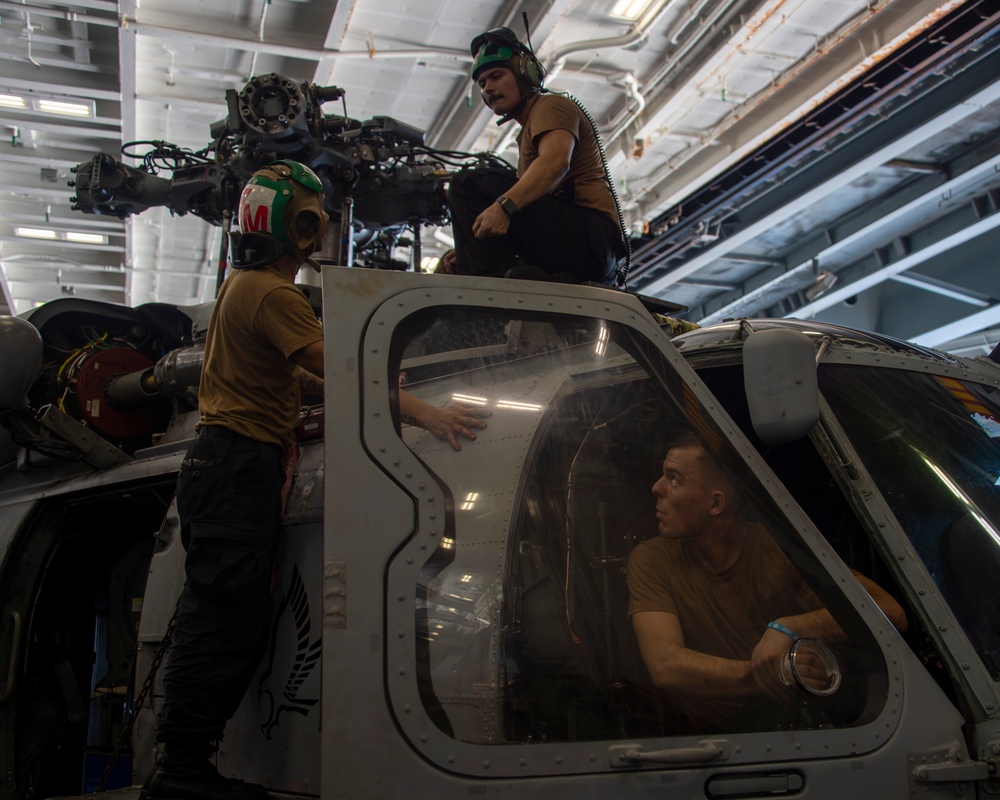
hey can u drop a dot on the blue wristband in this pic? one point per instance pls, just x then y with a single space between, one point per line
782 629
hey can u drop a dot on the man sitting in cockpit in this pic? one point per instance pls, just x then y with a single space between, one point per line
715 603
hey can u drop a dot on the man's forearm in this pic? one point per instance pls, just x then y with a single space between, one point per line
540 179
695 674
820 624
309 383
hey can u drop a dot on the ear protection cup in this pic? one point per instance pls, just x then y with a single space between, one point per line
305 230
530 70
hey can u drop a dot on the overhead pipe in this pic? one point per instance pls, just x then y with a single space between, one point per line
557 60
752 27
279 49
638 31
691 13
71 16
272 48
814 102
509 15
260 38
664 247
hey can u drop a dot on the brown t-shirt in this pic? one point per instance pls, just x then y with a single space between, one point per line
586 172
247 382
720 614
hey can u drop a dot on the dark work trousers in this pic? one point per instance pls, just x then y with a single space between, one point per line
229 501
560 241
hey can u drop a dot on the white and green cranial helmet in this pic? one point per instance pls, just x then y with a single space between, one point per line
284 201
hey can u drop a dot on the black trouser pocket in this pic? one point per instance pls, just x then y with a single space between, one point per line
230 488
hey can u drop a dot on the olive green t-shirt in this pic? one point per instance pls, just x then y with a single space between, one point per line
721 614
586 171
247 382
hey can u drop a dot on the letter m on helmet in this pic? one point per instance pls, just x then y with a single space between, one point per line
254 220
257 208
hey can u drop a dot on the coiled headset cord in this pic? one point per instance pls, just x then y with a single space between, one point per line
622 273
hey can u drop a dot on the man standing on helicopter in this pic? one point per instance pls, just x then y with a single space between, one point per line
264 345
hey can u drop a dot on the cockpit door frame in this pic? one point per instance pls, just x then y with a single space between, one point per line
384 508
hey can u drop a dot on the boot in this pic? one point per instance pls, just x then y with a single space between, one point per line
187 773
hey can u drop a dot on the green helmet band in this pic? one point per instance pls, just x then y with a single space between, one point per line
303 175
491 55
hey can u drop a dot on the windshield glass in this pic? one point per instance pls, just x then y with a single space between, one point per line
570 560
932 445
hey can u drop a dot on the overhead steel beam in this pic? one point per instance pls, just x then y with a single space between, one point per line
128 81
982 343
74 130
792 95
885 220
88 223
340 19
16 84
283 49
39 156
58 195
108 6
543 20
924 75
8 298
967 234
26 290
852 161
963 327
64 245
942 288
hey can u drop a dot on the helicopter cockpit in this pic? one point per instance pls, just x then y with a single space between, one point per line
520 614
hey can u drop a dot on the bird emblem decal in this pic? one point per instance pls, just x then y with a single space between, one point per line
291 650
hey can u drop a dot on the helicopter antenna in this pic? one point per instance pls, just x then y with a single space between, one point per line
527 31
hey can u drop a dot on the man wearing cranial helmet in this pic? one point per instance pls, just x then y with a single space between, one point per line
264 345
556 219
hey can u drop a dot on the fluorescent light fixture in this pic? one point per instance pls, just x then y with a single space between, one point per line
35 233
49 105
86 238
629 9
80 237
428 264
12 101
64 108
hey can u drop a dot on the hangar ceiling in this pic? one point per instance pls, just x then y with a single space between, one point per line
835 159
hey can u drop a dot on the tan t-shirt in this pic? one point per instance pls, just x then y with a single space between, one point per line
247 382
720 614
586 172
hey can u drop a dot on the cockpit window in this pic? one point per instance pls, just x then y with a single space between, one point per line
556 544
932 444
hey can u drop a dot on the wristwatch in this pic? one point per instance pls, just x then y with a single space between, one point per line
508 205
